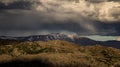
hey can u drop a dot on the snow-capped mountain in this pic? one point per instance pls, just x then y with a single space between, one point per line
57 36
53 36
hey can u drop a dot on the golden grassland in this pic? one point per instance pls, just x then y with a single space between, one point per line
56 53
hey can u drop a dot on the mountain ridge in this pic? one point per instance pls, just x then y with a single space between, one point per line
84 41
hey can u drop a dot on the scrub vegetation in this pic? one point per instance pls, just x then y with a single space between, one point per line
57 53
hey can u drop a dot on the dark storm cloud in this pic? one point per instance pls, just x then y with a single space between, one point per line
112 29
73 27
20 4
99 1
16 5
114 0
25 17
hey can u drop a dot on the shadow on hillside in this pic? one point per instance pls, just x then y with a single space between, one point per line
36 63
33 63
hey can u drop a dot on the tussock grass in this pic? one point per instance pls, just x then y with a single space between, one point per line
58 53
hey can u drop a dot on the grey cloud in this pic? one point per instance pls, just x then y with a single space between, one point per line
16 5
84 18
99 1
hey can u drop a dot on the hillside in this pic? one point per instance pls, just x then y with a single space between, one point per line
57 53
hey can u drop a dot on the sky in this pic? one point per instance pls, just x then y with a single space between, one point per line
81 17
103 38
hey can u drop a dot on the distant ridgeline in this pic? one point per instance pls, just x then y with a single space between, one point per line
84 41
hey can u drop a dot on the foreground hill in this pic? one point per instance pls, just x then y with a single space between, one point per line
57 53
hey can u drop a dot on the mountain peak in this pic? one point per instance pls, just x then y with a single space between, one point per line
65 37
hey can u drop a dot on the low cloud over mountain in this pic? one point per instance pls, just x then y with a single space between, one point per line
85 17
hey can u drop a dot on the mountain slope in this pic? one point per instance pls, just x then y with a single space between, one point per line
57 53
